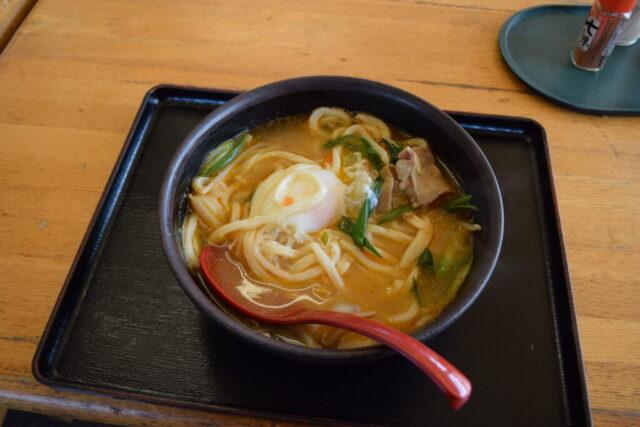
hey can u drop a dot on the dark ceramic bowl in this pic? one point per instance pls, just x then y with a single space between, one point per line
401 109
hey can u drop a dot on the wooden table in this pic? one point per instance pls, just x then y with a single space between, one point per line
73 76
12 12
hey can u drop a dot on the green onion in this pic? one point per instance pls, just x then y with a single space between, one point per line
372 155
223 154
394 213
350 159
360 225
416 292
324 237
461 203
453 258
345 224
359 144
425 260
357 230
341 140
373 249
374 196
393 148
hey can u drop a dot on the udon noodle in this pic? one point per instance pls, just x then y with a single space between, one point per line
355 215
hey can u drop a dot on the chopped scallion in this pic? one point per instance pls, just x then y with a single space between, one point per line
360 225
393 148
461 203
425 260
394 213
324 237
357 229
416 292
367 244
224 154
359 144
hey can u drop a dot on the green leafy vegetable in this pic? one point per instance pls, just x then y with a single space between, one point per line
359 144
458 280
461 203
372 155
358 229
394 213
425 260
360 225
373 249
349 141
455 256
324 237
374 196
345 224
224 154
350 159
393 148
416 291
453 266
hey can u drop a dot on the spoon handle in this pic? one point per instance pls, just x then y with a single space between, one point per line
452 382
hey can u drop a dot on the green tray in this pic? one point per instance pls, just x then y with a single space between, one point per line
535 43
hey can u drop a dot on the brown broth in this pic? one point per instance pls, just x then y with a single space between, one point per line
374 294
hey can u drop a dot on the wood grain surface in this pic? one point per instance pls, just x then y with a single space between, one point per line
12 12
75 72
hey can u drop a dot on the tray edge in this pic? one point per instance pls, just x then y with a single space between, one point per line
568 288
148 100
153 99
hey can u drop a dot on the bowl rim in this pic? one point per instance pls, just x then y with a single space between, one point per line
289 86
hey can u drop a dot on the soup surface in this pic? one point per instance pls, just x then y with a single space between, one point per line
351 213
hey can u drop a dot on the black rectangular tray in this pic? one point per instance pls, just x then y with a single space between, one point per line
122 325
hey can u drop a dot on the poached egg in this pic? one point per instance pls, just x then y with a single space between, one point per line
304 195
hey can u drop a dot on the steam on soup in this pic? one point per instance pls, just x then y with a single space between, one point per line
357 214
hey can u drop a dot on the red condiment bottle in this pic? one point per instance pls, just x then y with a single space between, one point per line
598 36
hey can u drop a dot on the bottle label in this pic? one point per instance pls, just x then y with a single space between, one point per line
589 30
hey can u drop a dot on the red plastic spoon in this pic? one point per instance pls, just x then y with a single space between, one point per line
270 304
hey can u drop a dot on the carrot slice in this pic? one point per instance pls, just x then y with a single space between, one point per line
371 255
328 159
287 201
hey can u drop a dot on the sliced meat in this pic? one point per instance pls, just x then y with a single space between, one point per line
419 176
386 194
